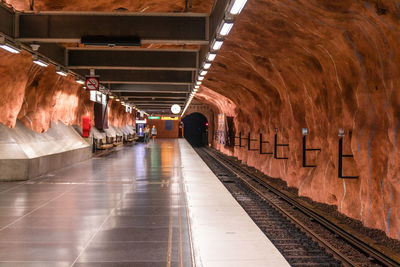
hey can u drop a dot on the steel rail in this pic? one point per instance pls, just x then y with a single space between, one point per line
348 237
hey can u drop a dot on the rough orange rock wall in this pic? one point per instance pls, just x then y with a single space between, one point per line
219 105
198 6
37 96
323 65
118 117
14 71
50 97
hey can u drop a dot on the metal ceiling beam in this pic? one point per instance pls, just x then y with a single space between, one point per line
157 97
161 95
217 14
155 105
142 76
6 20
154 109
139 100
9 27
148 88
53 51
132 59
156 101
67 27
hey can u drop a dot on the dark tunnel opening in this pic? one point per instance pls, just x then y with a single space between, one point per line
196 129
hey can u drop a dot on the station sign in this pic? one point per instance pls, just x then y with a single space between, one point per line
92 83
128 109
103 99
222 129
169 118
154 117
141 121
98 97
93 96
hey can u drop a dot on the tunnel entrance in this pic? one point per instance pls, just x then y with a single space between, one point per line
196 129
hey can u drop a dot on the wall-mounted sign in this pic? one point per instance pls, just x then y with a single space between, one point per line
99 97
93 96
154 118
168 125
104 99
140 128
175 109
169 118
222 129
141 121
92 83
128 109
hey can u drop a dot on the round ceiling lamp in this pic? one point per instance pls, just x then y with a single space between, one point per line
175 109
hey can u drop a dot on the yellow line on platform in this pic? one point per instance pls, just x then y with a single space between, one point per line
170 238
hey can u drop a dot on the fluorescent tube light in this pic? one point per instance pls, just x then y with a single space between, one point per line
195 90
207 66
200 78
61 72
237 6
217 44
111 96
203 72
39 61
226 28
211 56
117 100
196 86
8 47
80 81
198 83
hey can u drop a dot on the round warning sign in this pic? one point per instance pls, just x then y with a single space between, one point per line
92 83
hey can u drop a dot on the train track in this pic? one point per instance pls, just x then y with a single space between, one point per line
304 237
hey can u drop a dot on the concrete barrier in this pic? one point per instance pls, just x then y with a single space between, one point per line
25 154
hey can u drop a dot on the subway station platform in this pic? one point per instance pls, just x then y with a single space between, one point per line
158 205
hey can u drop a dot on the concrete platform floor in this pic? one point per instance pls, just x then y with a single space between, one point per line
124 209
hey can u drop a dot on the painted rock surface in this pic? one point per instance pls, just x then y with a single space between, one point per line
286 65
321 65
197 6
37 96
